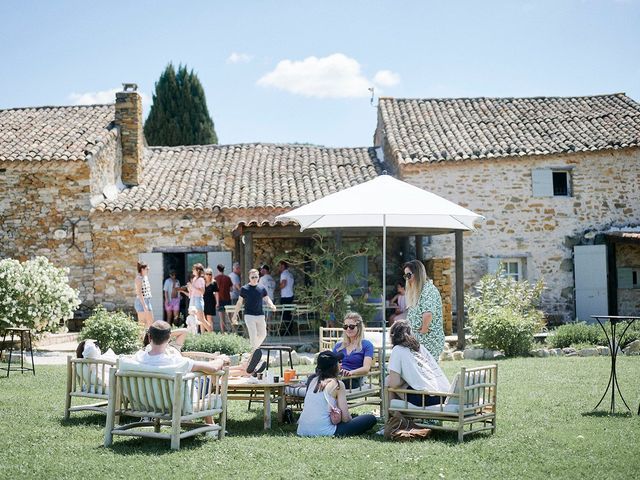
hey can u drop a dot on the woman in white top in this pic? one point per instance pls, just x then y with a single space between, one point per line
324 392
411 366
142 302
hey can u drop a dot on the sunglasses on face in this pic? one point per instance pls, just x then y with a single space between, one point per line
408 275
349 327
254 276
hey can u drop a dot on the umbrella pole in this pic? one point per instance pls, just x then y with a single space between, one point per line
384 316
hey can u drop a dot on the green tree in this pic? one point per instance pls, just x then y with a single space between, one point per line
179 114
331 285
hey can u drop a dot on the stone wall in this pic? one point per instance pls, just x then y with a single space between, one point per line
439 270
538 229
39 204
628 255
120 237
105 168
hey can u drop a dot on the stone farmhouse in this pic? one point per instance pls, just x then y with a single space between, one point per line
557 179
79 185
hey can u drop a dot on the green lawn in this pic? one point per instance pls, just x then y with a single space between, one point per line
545 430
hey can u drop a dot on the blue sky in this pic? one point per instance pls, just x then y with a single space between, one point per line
298 71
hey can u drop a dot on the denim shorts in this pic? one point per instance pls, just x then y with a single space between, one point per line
139 307
197 302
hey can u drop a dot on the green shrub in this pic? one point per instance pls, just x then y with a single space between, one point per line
210 342
503 314
572 334
578 333
502 328
115 330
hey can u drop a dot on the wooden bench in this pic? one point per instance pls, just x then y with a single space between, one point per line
87 378
469 407
160 399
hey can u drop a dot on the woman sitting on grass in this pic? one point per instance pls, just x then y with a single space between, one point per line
355 351
325 393
412 367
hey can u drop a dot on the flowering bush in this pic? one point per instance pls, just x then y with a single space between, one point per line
504 313
35 294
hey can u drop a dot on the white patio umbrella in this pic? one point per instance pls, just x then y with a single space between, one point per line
384 202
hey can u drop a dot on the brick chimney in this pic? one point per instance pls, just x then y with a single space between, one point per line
129 121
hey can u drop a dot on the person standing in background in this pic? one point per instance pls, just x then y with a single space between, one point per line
286 293
267 282
142 302
224 292
196 296
172 298
211 298
236 282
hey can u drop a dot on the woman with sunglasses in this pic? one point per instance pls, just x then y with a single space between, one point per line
424 308
211 298
196 296
251 296
355 350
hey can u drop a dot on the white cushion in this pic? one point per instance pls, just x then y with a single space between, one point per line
376 338
396 404
144 403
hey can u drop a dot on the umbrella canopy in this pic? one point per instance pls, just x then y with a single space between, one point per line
384 201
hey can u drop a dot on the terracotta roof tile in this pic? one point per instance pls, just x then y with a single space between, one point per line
243 176
433 130
54 133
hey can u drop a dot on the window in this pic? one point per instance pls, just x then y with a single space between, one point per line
549 182
628 277
511 267
561 183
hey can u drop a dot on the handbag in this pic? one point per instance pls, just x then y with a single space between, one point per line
335 414
401 429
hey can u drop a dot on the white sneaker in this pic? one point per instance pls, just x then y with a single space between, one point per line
380 432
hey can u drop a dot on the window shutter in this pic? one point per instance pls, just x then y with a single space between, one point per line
493 264
625 277
542 182
224 258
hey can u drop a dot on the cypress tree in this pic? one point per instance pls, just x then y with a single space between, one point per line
179 114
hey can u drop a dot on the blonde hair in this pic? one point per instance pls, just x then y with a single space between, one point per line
346 341
253 270
414 289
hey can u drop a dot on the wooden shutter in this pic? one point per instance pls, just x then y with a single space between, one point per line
542 182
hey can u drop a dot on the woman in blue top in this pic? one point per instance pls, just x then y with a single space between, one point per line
356 351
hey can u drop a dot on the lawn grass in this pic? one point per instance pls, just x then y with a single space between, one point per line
545 430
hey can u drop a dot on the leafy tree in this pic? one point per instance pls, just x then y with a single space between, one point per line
331 286
179 114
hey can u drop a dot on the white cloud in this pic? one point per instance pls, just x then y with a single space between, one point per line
386 78
236 57
335 76
92 98
105 96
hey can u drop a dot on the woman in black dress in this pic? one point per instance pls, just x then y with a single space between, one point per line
211 298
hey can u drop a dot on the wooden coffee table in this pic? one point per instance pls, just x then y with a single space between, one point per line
271 392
